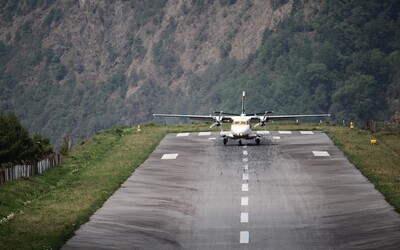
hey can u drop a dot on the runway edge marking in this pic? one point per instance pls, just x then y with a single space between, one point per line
321 153
169 156
182 134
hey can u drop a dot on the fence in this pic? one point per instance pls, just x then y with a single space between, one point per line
27 170
376 126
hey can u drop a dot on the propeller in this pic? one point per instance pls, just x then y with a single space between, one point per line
218 120
264 119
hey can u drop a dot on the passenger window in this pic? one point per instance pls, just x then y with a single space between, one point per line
243 123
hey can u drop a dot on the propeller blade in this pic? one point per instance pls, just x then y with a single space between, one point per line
262 124
217 123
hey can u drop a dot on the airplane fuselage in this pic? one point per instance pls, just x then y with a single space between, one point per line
240 129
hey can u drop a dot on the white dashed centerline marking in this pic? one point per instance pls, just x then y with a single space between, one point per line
276 137
244 217
321 153
263 132
306 132
204 133
285 132
169 156
244 237
244 201
182 134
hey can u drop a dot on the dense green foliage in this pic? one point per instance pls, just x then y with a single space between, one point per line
326 56
15 143
337 57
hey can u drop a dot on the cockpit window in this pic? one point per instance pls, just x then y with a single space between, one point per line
241 122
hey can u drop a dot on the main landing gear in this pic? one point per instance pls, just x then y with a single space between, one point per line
240 142
258 141
225 140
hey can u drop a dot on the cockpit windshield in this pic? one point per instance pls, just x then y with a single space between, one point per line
241 123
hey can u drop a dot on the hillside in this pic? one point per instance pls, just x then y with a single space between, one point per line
75 67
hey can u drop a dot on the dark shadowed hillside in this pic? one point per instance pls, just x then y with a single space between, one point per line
75 67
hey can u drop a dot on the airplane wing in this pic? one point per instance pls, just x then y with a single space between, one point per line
286 117
263 119
193 117
211 118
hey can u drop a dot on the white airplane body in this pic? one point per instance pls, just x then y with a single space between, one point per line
241 123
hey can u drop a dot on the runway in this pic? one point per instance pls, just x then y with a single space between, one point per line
294 191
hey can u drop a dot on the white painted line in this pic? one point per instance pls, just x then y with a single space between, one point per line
285 132
212 138
244 201
246 166
182 134
245 146
306 132
245 177
245 187
263 132
245 159
276 137
244 237
169 156
204 133
320 153
245 152
244 217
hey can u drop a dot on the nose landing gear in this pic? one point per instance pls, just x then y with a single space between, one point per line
225 140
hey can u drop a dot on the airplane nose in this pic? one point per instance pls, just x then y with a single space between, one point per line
242 131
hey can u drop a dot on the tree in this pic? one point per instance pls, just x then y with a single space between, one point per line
15 143
357 99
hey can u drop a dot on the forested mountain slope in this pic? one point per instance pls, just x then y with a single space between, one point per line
75 67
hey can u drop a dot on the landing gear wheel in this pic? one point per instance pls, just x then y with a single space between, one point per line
258 141
225 141
240 142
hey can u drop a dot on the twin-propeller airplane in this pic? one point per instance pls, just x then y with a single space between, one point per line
241 123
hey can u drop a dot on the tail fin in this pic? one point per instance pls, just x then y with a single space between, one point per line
244 103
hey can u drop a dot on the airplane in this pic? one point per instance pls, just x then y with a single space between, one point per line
241 123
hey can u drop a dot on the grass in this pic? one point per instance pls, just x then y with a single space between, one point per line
379 163
42 212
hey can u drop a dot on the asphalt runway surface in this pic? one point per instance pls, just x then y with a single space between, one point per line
294 191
